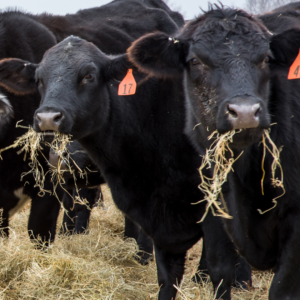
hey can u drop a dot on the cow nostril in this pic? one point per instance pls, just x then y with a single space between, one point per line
57 118
257 110
231 111
38 118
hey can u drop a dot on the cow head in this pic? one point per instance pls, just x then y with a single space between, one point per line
16 79
72 81
224 56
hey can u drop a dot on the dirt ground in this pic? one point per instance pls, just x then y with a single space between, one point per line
99 265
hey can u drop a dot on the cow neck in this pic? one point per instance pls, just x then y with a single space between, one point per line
138 123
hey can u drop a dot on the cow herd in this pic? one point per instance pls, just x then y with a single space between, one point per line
224 70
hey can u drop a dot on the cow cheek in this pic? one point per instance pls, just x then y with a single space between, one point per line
202 97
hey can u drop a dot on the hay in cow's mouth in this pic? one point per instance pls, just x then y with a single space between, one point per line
216 156
32 144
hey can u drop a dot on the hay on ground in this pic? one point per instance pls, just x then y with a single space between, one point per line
99 265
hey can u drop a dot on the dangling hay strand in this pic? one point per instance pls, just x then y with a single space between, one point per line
212 187
276 182
216 156
31 143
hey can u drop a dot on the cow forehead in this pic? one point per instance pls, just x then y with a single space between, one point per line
224 26
70 53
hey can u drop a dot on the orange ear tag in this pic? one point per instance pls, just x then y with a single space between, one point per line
128 85
294 72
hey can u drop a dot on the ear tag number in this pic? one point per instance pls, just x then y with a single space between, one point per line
128 85
294 72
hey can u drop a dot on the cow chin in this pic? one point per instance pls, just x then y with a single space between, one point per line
244 138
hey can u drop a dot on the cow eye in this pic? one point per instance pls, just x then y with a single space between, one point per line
266 59
89 77
195 61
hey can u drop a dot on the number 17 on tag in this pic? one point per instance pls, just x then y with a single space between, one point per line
127 85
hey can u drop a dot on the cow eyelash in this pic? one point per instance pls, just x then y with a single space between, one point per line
89 77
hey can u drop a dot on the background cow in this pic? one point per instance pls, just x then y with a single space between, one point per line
23 37
235 77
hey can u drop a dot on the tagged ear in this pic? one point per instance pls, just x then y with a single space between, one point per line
285 46
117 67
18 76
159 54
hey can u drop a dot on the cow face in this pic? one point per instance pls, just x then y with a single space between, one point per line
69 79
72 82
224 56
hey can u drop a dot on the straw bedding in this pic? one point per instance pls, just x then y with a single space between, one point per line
99 265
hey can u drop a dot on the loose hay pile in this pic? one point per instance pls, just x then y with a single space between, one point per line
99 265
217 156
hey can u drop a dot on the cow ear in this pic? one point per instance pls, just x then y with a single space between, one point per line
159 55
285 46
116 67
18 76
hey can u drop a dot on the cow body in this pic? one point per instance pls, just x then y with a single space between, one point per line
138 143
22 37
114 26
235 78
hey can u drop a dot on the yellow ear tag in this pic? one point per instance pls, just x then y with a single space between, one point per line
128 85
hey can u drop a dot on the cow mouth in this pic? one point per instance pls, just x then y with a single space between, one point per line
47 133
246 137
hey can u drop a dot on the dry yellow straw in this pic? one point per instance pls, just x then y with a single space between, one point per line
212 187
216 155
275 152
31 142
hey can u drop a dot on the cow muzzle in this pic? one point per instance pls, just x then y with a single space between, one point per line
242 116
242 112
49 120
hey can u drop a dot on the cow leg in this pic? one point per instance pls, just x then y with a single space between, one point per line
43 216
202 270
68 224
83 212
242 274
223 261
170 269
132 230
285 283
145 244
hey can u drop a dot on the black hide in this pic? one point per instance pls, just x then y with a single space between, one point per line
231 53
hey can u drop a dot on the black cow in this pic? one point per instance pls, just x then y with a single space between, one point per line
140 147
22 37
113 26
235 78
